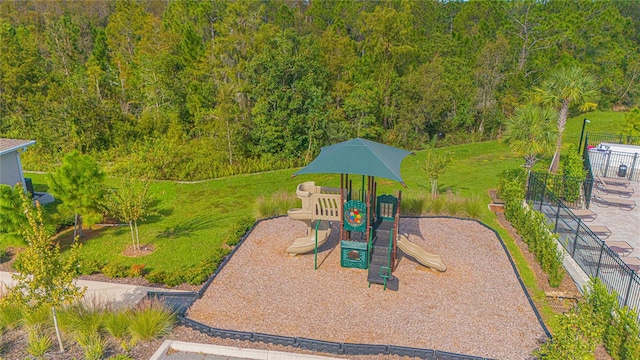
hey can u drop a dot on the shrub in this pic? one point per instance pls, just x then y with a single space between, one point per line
597 318
174 279
568 340
115 270
151 320
622 336
573 174
237 230
169 279
532 226
137 270
90 266
206 267
156 277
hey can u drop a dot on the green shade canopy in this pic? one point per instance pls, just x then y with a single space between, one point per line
358 156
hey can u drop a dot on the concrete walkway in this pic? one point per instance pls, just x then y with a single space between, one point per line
180 350
116 296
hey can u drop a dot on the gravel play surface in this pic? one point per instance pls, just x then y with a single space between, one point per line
477 307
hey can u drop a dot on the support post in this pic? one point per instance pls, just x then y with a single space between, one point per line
368 231
342 194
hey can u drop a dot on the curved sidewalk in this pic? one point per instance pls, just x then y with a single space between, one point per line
102 293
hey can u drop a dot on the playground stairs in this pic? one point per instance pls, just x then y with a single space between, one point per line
380 258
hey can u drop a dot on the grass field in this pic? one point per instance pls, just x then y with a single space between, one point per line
194 218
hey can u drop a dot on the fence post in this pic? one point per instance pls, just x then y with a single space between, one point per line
633 166
606 168
555 229
544 188
600 258
575 241
626 297
620 142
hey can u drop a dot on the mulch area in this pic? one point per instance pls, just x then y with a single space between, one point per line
477 307
145 350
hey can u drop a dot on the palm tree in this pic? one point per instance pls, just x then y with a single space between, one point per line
531 132
563 87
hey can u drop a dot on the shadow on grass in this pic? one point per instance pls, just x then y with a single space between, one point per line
65 237
156 214
186 228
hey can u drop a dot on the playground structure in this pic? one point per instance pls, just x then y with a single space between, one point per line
319 205
369 236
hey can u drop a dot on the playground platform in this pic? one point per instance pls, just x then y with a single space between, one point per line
477 307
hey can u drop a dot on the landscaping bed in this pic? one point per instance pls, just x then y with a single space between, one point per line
477 307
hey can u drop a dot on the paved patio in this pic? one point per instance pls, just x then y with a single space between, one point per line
624 224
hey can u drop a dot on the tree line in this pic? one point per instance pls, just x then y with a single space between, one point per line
196 89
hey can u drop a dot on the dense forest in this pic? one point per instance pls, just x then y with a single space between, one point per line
196 89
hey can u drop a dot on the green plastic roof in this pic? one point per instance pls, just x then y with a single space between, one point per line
358 156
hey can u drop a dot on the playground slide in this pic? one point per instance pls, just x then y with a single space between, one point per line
308 243
432 261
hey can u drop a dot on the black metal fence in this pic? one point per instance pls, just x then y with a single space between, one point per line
593 256
612 162
593 139
574 192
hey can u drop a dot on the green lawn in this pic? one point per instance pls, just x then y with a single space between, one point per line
193 219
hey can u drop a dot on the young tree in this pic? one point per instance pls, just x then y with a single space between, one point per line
44 277
78 184
12 218
129 203
563 87
530 132
434 166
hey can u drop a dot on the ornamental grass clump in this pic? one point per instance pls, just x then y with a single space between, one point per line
93 345
10 315
414 205
81 319
38 340
151 320
437 206
454 205
473 207
117 324
277 204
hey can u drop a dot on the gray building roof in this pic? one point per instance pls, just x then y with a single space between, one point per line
9 145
